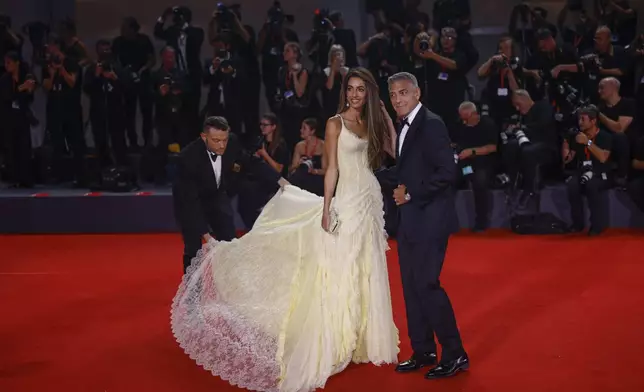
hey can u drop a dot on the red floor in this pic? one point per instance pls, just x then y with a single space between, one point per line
90 313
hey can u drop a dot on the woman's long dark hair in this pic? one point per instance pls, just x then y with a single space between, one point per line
277 134
371 113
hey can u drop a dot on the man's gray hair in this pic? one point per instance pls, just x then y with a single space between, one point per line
402 76
612 80
467 105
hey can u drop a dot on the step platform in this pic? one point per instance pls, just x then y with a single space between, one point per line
149 210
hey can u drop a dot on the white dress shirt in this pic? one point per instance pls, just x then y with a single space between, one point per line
216 167
409 119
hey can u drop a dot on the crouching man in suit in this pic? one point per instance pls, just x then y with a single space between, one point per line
209 171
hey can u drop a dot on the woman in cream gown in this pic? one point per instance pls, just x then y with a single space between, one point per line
289 304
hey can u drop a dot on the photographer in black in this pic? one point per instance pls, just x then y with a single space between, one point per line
576 26
270 45
71 45
62 82
270 148
617 116
550 67
225 77
134 52
9 40
605 60
446 73
321 39
591 151
226 26
415 41
105 83
171 86
333 73
186 41
531 144
474 141
504 71
17 87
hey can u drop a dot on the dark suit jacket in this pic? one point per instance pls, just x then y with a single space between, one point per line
194 41
427 168
198 202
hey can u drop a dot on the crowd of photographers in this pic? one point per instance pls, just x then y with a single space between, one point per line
559 103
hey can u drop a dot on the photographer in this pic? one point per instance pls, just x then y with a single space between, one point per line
71 45
293 94
531 144
415 41
17 87
591 150
446 73
271 149
308 166
474 141
551 66
226 26
576 26
186 41
617 117
270 45
62 82
135 53
105 83
322 38
503 71
225 77
170 88
9 40
636 185
334 73
604 61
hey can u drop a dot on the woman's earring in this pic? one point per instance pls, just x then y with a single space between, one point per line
347 104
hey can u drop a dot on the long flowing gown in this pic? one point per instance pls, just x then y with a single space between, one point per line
288 305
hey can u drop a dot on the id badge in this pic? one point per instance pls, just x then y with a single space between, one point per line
288 94
467 170
604 177
418 64
588 163
274 51
443 76
15 105
592 76
135 77
502 92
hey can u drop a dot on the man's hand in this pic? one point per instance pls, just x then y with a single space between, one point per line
400 195
581 138
164 89
206 238
228 70
282 182
465 154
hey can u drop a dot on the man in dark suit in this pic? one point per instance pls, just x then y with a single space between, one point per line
210 169
186 41
426 175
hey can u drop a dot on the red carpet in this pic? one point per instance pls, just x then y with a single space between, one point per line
91 313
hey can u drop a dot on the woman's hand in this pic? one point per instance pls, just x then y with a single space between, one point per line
325 221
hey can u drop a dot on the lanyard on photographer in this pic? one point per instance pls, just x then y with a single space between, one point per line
502 75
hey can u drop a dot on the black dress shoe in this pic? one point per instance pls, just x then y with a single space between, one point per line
449 368
416 362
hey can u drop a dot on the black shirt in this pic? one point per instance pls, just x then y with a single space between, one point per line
134 53
281 155
602 140
61 97
499 95
451 84
545 62
540 125
618 58
482 134
12 101
624 108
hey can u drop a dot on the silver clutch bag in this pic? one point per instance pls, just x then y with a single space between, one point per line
334 221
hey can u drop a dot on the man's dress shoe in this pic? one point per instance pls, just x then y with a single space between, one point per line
416 362
449 368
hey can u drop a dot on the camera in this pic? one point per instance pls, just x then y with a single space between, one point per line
275 14
56 59
224 58
224 17
425 44
106 66
586 173
178 15
515 130
320 21
511 63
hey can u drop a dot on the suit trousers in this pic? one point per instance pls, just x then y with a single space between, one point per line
222 228
429 310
